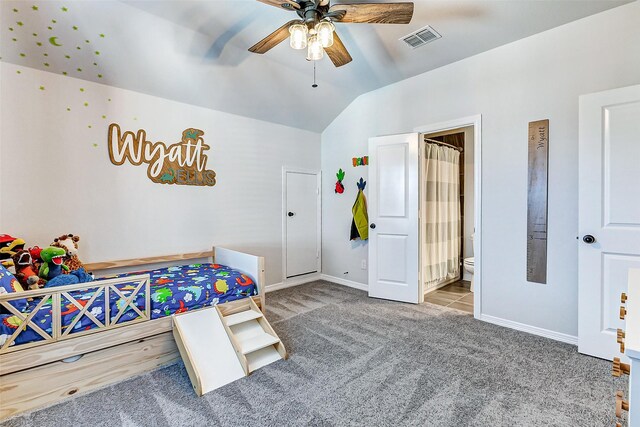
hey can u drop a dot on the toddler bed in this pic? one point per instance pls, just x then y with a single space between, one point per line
119 324
172 290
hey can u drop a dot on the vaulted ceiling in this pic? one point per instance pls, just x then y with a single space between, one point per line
196 51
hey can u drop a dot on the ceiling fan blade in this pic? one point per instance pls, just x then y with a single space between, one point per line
273 39
282 4
375 13
338 52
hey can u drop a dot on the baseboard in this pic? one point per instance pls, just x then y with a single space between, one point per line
557 336
345 282
293 282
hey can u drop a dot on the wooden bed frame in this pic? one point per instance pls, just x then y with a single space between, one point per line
33 375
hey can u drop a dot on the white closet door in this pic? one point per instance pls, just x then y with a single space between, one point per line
393 218
609 218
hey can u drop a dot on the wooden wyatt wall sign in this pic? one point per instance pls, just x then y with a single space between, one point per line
182 163
537 201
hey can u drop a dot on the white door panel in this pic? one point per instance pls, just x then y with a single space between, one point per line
302 249
393 210
609 180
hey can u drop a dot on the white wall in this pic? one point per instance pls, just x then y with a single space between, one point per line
54 180
534 78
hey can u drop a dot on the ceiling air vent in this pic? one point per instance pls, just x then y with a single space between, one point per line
421 37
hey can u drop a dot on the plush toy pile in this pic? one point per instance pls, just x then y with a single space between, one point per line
35 268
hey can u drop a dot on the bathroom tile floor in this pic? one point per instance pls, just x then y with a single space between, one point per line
456 295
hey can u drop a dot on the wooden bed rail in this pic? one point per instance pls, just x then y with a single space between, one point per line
98 266
60 294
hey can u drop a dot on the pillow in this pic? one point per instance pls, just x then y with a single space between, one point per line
9 284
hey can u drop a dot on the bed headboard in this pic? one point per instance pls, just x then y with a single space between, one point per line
101 266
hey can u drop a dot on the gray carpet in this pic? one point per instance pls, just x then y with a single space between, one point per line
361 361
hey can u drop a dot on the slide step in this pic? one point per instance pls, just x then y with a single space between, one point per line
243 316
257 342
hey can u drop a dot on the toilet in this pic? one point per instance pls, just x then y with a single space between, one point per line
468 265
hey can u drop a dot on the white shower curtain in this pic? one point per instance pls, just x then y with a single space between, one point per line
442 214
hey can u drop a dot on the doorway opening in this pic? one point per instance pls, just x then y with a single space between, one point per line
447 217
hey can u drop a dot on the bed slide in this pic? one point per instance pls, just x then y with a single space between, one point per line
218 349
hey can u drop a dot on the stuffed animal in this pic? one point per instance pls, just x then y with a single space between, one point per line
76 276
8 247
69 243
52 262
25 271
35 257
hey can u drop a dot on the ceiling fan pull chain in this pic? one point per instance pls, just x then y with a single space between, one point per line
314 85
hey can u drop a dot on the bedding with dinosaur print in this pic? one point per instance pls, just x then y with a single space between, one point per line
173 290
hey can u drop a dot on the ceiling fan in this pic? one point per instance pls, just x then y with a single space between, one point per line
315 29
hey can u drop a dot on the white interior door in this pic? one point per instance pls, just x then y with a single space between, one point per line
609 212
393 218
302 251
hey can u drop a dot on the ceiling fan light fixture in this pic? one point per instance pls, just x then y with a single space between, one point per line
298 39
315 51
325 30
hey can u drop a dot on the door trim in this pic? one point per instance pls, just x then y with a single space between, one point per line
318 174
476 122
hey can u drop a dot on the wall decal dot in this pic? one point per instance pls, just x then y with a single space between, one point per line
75 28
15 10
79 69
99 76
45 54
109 99
35 34
67 56
95 63
104 117
64 73
22 55
97 53
14 39
95 145
89 126
34 7
81 89
18 72
135 118
51 28
68 109
102 35
87 41
78 47
41 87
64 9
54 42
86 104
38 43
10 28
46 64
20 23
54 21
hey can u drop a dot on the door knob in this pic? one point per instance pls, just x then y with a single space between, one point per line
291 214
372 225
589 239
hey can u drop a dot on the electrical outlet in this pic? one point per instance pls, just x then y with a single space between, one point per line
363 264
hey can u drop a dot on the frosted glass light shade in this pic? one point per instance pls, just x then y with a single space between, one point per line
298 39
325 31
315 51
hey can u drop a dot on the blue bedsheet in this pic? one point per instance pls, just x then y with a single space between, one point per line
173 290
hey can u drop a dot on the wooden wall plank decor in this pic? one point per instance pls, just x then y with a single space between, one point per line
182 163
537 201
